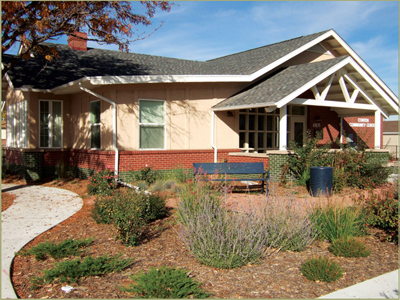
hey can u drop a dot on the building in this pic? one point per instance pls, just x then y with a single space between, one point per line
91 108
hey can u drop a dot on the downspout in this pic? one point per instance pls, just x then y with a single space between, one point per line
114 123
212 136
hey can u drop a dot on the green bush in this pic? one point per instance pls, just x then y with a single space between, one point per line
71 271
336 221
383 212
304 157
146 174
64 249
129 212
102 183
165 283
321 269
351 168
349 247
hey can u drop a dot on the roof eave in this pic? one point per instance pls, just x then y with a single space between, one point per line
364 65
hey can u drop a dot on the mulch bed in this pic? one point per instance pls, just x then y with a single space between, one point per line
6 201
277 276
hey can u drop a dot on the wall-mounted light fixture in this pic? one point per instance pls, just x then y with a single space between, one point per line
229 113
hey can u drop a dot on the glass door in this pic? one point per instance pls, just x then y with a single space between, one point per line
297 130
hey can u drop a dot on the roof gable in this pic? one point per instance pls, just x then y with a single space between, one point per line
273 89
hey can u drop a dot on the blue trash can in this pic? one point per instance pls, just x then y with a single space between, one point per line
321 181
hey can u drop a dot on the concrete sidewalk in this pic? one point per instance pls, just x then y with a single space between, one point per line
385 286
35 210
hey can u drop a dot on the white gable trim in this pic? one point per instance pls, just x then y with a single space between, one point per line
359 60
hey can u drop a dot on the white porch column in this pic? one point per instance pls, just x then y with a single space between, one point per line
341 131
283 128
378 129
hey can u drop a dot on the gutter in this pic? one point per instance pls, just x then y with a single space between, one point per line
114 123
212 136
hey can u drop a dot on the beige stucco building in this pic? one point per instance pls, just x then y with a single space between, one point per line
95 107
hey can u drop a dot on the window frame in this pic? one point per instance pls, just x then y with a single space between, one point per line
257 112
95 124
51 120
163 125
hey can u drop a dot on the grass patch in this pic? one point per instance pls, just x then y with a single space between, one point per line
349 247
321 269
336 221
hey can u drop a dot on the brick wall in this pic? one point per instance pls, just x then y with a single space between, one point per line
322 118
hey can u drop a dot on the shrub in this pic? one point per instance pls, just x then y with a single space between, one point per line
146 174
71 271
158 186
321 269
383 212
305 157
228 239
351 168
349 247
62 170
64 249
289 227
165 283
102 183
220 238
129 211
336 221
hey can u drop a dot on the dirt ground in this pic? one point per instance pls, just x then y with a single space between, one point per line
277 276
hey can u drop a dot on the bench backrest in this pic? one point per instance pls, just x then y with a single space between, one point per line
229 168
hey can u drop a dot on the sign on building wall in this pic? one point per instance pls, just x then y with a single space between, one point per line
362 122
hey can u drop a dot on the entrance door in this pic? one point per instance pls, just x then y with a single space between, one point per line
297 129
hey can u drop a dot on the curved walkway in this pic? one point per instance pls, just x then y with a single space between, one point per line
35 210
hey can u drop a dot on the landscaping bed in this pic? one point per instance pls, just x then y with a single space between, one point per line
277 276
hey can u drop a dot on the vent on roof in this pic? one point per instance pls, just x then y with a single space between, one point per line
78 42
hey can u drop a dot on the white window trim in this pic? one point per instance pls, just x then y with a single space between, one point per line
51 124
97 124
164 125
246 131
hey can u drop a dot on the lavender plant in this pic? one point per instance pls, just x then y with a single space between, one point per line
228 239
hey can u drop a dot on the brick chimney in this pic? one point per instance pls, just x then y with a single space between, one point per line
76 43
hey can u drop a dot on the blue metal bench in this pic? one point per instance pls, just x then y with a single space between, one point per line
256 168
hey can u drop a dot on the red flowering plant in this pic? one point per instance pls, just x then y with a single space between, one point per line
103 182
383 212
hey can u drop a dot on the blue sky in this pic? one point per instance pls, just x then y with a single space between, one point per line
202 30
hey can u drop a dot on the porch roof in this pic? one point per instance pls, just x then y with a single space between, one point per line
272 89
353 92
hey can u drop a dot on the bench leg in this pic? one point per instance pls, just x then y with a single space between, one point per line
262 187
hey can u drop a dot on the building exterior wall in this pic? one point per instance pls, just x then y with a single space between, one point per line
361 129
188 116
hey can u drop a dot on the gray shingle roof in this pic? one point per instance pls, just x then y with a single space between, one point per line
269 91
74 64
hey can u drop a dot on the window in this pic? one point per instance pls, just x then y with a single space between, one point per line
17 125
258 129
151 124
50 123
95 125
